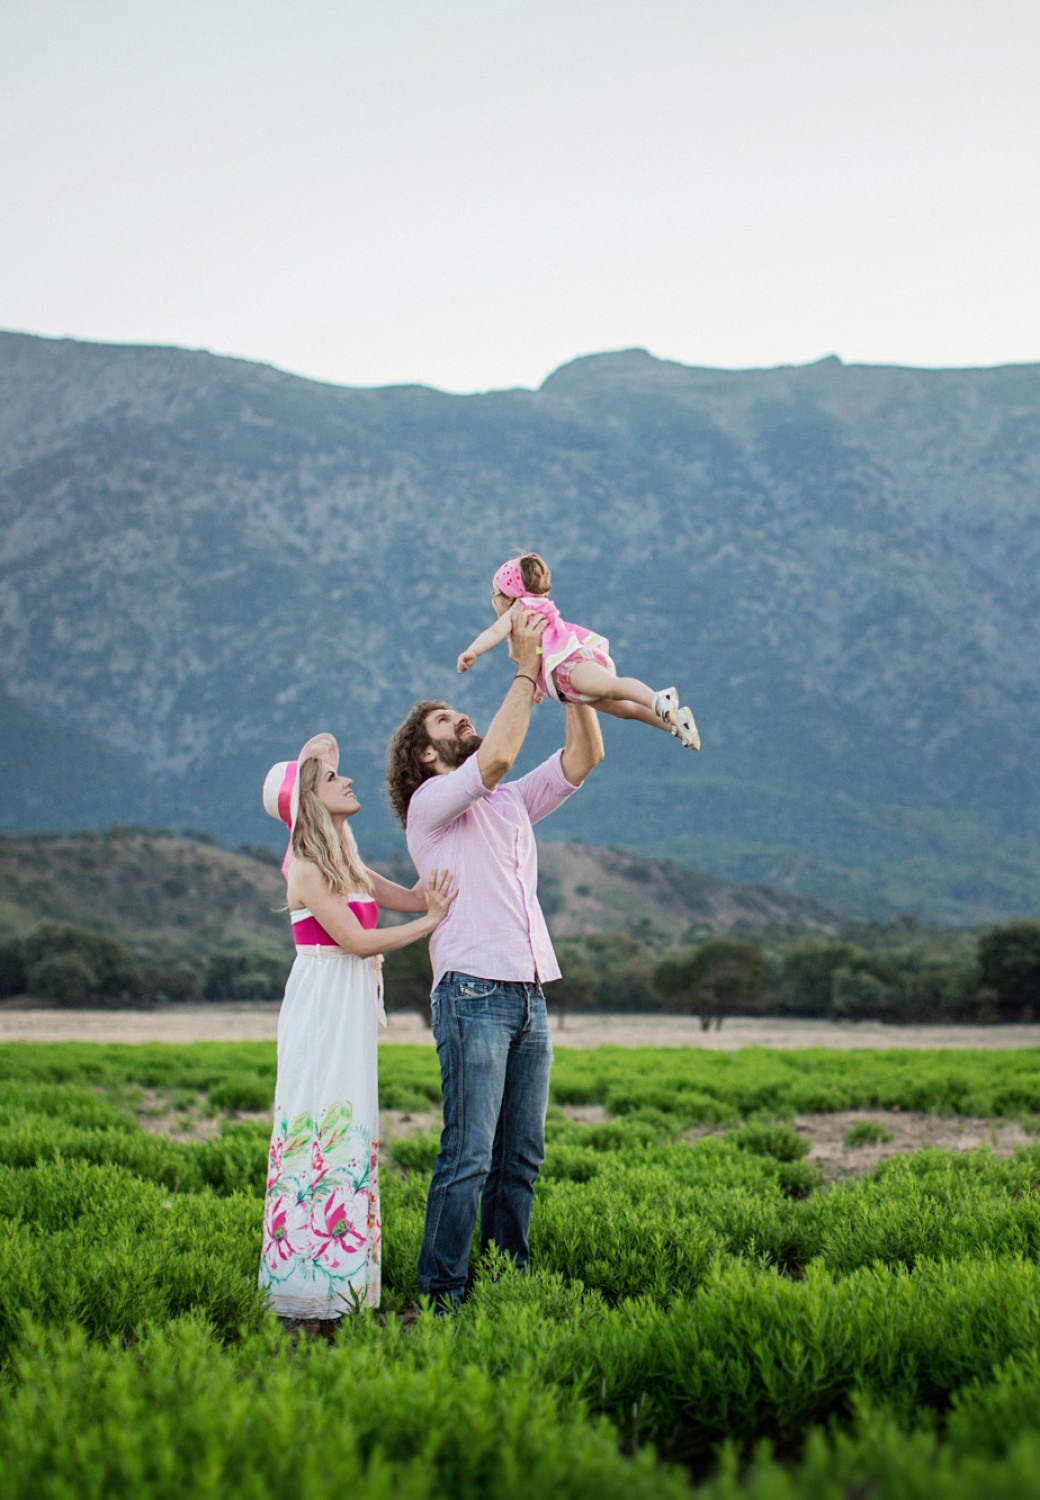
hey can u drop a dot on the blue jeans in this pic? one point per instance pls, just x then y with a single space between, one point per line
495 1051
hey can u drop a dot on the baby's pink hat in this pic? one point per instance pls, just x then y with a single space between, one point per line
509 580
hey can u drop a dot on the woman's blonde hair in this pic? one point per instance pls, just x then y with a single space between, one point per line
314 838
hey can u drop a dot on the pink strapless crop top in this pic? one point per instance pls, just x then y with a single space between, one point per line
309 933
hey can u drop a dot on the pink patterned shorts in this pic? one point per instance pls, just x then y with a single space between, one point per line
562 674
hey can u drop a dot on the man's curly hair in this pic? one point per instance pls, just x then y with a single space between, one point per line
405 772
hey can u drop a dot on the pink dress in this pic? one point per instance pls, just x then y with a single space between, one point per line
321 1240
562 645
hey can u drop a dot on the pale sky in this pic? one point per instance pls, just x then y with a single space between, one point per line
469 193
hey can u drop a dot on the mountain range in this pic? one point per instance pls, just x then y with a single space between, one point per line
204 560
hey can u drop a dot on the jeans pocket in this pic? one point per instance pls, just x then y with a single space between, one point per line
475 989
473 998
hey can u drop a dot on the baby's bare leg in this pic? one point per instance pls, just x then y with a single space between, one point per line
624 708
596 681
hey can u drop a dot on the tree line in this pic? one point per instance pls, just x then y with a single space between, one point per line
72 966
991 977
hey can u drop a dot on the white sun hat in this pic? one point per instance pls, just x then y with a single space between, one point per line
282 784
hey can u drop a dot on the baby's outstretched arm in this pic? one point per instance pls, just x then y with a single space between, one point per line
492 636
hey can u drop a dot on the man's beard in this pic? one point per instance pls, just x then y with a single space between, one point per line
454 752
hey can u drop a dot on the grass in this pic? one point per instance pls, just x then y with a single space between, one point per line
702 1317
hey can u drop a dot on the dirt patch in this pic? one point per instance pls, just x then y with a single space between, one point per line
159 1113
176 1125
587 1114
159 1116
898 1131
908 1131
396 1124
178 1118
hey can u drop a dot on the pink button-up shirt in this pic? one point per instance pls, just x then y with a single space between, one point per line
495 928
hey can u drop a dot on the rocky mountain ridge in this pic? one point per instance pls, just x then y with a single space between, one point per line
204 560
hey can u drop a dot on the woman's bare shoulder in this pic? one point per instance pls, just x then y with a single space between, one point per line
305 880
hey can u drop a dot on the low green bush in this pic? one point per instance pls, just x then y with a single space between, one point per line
418 1152
778 1141
868 1133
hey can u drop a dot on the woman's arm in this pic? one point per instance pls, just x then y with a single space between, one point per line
309 889
394 897
485 640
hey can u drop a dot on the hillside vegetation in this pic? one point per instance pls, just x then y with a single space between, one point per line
158 893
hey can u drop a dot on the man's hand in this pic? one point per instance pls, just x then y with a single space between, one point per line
526 638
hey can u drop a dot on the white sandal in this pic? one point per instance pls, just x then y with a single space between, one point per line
665 705
686 729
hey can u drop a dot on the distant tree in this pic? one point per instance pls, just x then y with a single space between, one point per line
1009 967
244 976
807 975
65 978
624 972
577 989
104 969
12 968
944 988
175 976
723 977
407 978
651 934
857 993
917 981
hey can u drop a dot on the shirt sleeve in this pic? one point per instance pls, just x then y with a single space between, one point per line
442 799
545 788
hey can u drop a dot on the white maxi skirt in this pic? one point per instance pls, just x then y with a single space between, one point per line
322 1237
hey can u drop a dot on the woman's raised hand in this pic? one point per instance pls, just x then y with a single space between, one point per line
440 893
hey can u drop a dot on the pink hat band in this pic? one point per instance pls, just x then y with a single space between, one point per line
292 770
281 795
509 580
279 784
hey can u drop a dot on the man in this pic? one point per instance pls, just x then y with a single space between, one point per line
490 956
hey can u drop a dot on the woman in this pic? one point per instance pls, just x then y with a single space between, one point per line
321 1247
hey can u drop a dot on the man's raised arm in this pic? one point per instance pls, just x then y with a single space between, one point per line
584 747
508 729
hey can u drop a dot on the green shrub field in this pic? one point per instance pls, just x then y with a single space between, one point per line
705 1315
